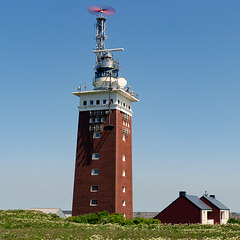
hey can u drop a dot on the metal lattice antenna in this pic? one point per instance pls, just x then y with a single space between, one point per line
106 68
101 12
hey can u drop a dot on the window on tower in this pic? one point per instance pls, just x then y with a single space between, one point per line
93 202
123 158
98 102
123 189
123 137
96 135
124 202
95 171
95 156
90 120
94 188
84 102
96 120
123 173
104 101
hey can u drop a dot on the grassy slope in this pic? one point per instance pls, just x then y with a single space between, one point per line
20 224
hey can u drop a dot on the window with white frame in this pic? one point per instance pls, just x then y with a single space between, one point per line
95 156
96 135
124 203
123 189
94 188
123 173
93 202
91 120
124 158
84 103
91 102
91 128
97 102
104 101
95 171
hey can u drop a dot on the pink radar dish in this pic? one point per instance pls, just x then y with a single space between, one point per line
106 10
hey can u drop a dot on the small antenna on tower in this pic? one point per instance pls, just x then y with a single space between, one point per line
80 87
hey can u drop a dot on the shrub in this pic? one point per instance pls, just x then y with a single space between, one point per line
55 216
233 220
105 217
77 219
116 218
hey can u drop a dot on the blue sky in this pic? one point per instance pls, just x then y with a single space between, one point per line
182 57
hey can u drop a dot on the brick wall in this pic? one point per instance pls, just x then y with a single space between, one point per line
110 181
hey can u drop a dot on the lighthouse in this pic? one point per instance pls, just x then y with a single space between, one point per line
103 169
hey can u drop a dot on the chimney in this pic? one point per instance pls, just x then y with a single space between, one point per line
182 193
213 196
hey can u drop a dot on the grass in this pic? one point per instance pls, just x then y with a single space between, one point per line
21 224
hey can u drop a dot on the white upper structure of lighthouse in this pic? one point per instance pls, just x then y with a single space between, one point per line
110 91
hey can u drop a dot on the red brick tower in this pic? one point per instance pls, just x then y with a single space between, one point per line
103 171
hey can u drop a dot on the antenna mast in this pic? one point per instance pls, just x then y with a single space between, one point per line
106 68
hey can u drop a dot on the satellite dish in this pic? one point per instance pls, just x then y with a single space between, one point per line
122 82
